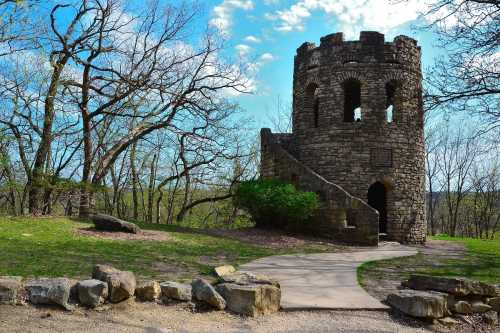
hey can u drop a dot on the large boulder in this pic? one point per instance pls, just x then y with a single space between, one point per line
247 278
148 291
9 288
176 291
455 286
111 223
49 291
92 293
121 284
203 291
251 300
423 304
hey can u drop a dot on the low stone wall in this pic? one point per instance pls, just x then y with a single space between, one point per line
242 293
341 217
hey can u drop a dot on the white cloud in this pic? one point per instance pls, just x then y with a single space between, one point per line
252 39
351 15
223 14
243 49
266 57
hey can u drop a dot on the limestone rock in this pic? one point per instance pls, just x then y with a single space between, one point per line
49 291
426 304
456 286
9 288
121 284
148 291
494 303
177 291
491 317
251 300
448 321
111 223
247 278
480 307
224 270
92 293
203 291
462 307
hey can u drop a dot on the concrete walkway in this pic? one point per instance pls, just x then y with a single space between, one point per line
325 280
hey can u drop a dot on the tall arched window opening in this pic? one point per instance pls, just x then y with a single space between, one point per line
312 103
390 93
352 100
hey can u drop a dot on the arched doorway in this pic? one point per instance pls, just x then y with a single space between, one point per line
377 198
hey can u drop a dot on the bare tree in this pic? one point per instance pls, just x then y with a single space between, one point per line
467 76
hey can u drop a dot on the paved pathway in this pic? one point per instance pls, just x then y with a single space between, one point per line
325 280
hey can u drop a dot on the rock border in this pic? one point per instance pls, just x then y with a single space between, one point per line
241 293
446 299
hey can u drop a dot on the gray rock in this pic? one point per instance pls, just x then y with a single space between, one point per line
247 278
92 293
462 307
425 304
111 223
494 303
456 286
121 284
491 317
251 300
148 291
50 291
480 307
176 291
203 291
9 289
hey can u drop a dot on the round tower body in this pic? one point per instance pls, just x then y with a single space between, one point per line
358 122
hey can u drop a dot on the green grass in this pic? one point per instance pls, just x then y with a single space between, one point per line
482 261
50 247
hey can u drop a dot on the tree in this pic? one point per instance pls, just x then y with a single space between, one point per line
467 75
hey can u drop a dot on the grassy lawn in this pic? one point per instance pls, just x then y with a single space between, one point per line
481 262
50 247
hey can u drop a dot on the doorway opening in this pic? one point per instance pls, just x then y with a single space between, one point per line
377 198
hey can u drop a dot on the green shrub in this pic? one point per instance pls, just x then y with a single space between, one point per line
273 203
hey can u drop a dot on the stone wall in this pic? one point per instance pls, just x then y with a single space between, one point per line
355 155
341 216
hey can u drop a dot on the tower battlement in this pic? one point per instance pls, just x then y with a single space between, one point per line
371 48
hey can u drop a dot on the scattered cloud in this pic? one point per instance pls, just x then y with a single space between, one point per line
252 39
243 50
351 15
222 14
267 57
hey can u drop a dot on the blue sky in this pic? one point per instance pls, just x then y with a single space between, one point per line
267 33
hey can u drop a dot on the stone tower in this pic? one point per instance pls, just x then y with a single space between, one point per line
358 127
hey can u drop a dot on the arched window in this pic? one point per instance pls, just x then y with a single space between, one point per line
352 100
390 94
312 103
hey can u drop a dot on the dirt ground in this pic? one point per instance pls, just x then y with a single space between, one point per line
277 239
158 318
144 235
386 279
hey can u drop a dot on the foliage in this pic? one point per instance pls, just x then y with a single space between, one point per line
275 203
